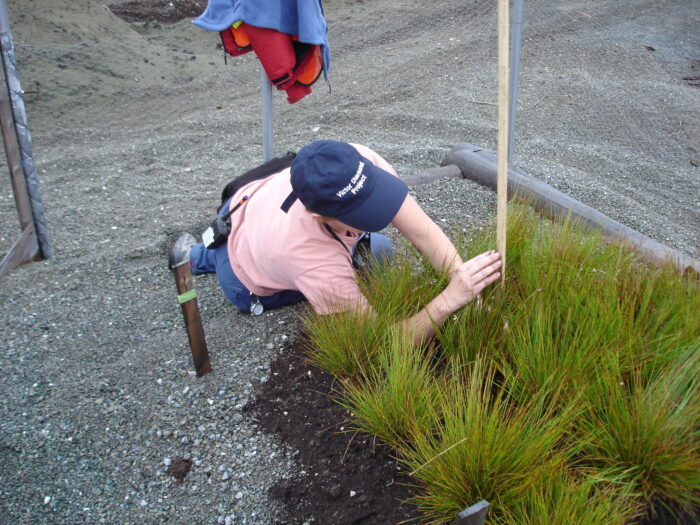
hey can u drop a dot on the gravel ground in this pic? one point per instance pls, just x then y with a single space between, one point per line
137 127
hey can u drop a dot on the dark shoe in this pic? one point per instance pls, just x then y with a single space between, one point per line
179 252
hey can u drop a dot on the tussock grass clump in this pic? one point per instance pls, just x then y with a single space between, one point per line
570 395
486 447
647 435
564 499
398 397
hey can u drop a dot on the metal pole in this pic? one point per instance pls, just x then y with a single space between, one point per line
514 73
4 17
266 88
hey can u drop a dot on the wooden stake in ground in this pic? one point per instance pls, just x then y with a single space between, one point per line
502 190
187 297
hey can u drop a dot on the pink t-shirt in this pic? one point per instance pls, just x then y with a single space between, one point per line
271 251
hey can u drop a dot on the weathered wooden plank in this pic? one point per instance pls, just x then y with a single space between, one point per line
14 156
24 250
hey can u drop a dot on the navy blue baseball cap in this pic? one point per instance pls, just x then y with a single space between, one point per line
331 178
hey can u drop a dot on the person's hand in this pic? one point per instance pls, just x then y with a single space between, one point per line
470 278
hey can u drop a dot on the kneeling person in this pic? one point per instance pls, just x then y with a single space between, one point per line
294 237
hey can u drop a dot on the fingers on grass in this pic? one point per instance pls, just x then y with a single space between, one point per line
487 272
489 280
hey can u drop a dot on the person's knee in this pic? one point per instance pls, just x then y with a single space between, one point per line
381 248
372 248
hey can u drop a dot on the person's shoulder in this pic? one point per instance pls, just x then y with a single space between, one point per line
365 151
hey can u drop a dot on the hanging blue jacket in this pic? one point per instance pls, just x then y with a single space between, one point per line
303 18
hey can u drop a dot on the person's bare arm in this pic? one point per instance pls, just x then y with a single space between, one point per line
426 236
467 279
467 282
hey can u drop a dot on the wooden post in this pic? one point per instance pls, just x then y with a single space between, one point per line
26 249
474 515
187 297
33 243
502 191
14 156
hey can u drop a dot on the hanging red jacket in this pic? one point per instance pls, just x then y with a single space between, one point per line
290 65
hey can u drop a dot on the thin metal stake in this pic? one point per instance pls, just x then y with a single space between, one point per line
516 32
266 88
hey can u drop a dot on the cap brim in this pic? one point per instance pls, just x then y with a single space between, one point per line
381 206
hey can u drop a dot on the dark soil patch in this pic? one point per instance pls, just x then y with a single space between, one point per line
179 467
345 477
163 11
662 516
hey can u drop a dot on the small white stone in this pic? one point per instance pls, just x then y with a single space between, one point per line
167 462
47 500
239 495
353 493
144 503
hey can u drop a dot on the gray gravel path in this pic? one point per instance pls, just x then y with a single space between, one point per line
96 388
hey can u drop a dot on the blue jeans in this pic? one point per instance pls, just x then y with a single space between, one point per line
203 260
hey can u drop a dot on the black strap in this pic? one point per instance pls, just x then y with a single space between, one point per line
291 199
263 171
335 236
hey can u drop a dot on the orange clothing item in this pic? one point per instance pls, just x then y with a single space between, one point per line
290 65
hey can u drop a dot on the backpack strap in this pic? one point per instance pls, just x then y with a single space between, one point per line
263 171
